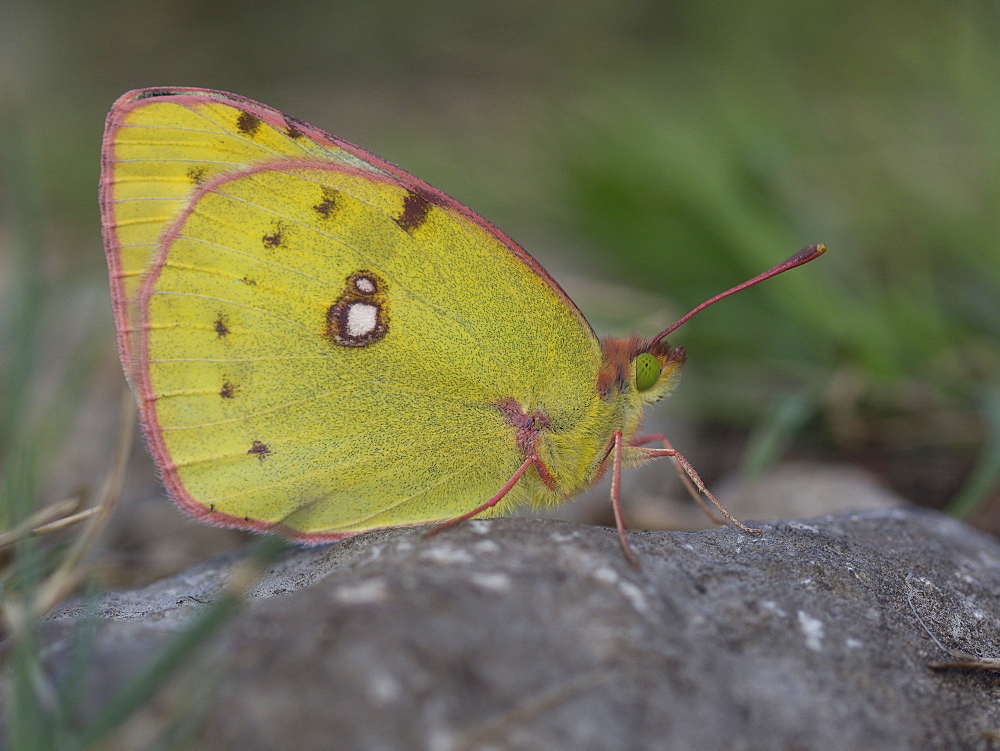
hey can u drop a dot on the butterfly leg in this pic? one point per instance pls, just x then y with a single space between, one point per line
682 474
532 459
616 501
691 479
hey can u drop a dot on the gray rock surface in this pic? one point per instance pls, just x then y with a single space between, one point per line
536 634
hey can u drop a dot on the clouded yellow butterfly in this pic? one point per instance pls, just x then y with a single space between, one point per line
322 344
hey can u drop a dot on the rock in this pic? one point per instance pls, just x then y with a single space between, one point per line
536 634
806 489
655 499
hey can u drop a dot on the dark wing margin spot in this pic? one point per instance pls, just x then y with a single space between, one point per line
414 213
248 124
293 128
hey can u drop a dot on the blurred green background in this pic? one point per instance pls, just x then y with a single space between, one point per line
668 150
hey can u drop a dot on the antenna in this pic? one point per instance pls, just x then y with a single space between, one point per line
803 256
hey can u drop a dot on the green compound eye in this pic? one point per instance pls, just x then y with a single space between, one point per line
647 371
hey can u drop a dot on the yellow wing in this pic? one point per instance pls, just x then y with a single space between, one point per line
160 144
322 340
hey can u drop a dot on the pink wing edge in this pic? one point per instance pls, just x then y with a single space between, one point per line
120 304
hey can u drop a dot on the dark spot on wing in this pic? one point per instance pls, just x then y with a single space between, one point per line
360 316
260 450
293 128
222 326
228 390
327 207
248 124
197 174
414 213
276 238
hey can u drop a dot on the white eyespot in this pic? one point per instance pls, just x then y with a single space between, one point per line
362 319
364 285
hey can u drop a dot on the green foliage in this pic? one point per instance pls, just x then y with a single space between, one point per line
884 144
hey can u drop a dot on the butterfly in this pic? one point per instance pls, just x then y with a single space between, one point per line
322 344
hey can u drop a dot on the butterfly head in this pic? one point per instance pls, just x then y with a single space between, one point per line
648 368
639 366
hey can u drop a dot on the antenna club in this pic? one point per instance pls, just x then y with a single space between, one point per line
804 256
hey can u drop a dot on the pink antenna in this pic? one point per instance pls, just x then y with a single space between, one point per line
803 256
